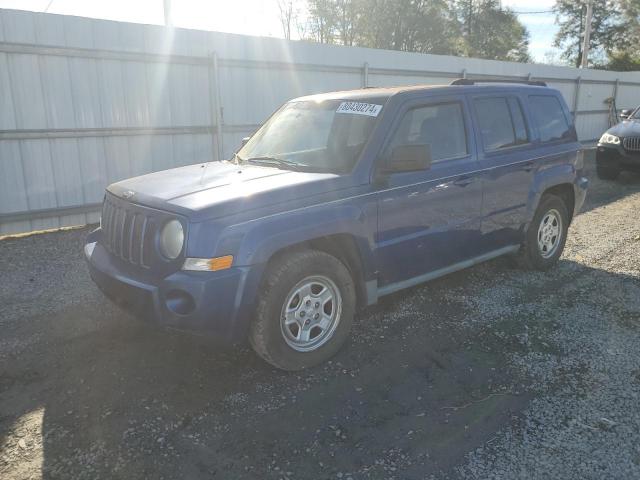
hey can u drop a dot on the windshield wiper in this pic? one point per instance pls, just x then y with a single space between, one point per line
274 161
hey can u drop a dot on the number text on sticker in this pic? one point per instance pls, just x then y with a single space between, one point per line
358 108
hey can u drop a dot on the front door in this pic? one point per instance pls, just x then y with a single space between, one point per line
430 219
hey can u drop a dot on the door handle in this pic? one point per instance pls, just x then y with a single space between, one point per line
528 166
463 181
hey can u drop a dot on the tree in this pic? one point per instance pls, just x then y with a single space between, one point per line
493 32
624 56
622 62
630 12
347 19
606 29
322 20
477 28
285 10
426 26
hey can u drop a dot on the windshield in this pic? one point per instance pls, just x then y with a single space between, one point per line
316 136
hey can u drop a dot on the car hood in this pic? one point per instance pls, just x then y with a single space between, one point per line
626 128
221 188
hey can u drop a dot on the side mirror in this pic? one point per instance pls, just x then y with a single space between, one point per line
409 158
245 140
626 113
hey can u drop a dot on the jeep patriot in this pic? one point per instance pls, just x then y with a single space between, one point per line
339 199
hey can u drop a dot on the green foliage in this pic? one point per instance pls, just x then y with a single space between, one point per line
491 32
625 54
426 26
622 62
615 32
409 25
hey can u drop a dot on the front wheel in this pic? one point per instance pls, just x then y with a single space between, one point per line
546 235
305 310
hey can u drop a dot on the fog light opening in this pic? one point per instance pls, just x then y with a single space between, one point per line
180 302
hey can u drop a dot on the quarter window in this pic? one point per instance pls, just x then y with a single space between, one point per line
501 122
549 117
441 126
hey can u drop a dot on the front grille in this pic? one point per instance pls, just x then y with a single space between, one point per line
631 144
127 233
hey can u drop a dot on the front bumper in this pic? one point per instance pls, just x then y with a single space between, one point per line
213 303
617 156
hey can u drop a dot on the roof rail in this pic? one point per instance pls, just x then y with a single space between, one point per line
471 81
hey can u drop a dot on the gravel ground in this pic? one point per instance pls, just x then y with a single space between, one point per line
488 373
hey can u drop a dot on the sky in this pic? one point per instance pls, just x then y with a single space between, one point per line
541 26
255 17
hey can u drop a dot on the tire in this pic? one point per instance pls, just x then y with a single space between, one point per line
278 334
540 235
607 173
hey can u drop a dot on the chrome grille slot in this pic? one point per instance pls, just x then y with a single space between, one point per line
137 232
126 234
631 144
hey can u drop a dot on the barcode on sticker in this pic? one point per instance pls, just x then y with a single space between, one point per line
358 108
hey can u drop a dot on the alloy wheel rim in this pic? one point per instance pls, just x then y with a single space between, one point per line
549 233
311 313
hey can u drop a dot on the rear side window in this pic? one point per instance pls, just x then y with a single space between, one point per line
441 126
549 118
501 122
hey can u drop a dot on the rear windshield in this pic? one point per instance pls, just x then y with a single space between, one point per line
549 118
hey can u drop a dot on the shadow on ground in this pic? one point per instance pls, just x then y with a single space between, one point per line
407 396
602 192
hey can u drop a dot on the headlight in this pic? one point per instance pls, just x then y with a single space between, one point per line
171 239
608 138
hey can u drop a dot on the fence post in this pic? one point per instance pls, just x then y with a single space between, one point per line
464 73
576 96
365 75
216 107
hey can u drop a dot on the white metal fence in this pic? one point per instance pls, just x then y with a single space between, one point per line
84 103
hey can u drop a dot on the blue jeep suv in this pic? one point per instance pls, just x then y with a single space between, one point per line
336 200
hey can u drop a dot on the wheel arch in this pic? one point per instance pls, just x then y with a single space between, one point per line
343 246
558 180
566 192
344 231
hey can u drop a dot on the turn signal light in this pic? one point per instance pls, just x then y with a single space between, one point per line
208 264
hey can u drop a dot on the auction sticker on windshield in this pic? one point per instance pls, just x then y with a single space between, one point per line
358 108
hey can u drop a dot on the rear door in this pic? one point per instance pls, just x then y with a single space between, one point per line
430 219
506 154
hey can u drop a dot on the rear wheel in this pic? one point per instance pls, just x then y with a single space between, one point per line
305 310
546 235
607 173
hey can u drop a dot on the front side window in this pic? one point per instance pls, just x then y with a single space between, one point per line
501 122
316 136
549 118
440 126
